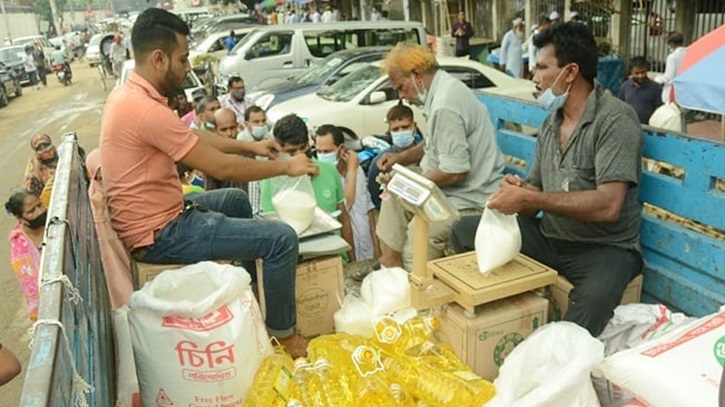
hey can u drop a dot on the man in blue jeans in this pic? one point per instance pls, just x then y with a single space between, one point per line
141 142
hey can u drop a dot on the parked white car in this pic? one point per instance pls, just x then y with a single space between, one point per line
191 84
212 45
360 101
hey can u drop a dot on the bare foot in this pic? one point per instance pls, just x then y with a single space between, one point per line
389 261
296 345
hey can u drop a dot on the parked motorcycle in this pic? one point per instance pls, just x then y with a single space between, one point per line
63 74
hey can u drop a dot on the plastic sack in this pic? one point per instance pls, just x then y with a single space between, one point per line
681 368
197 335
668 117
550 368
498 240
294 201
630 326
354 317
386 290
127 391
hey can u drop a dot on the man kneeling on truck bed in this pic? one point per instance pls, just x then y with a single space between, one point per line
585 178
141 139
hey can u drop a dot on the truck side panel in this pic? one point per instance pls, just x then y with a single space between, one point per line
86 340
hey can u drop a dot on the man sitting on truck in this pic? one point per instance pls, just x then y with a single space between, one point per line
142 139
585 178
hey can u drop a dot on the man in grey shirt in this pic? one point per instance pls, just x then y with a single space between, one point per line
585 178
460 153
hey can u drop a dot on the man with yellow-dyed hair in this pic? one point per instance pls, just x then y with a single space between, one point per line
459 153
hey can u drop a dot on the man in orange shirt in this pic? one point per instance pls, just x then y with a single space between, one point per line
141 141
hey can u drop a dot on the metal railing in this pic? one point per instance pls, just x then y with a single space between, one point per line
72 341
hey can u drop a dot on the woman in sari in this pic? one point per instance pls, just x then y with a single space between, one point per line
41 167
26 239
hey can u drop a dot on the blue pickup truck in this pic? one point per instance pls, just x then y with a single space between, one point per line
683 241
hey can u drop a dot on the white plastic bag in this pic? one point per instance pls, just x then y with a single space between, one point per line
198 336
498 240
294 201
668 117
127 391
550 369
354 317
679 369
386 290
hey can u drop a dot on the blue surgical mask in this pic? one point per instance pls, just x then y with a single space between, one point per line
196 180
403 138
259 132
238 95
330 157
422 96
551 102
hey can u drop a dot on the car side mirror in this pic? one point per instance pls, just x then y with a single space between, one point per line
377 98
332 80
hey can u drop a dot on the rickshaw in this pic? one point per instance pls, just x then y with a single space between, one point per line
105 68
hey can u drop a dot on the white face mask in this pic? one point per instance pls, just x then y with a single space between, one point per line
422 96
259 132
552 102
403 138
330 157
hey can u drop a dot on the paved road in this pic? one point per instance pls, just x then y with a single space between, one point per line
53 110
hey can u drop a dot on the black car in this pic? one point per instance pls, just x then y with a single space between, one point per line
328 71
9 84
12 57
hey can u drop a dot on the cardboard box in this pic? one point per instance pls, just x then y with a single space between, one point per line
142 273
483 342
462 275
319 284
561 289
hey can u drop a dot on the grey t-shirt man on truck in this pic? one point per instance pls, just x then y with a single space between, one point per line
584 178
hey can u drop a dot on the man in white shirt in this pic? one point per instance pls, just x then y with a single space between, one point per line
255 128
375 15
544 23
236 99
512 59
327 16
118 55
672 67
30 67
316 16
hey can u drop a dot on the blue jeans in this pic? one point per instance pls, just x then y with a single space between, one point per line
221 228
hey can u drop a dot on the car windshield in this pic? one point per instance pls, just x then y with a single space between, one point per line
317 73
244 40
350 86
24 41
11 54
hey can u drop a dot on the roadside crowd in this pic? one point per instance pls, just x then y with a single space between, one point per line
185 182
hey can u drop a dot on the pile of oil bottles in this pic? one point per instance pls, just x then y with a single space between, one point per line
401 365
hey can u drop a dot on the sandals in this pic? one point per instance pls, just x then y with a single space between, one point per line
296 345
362 272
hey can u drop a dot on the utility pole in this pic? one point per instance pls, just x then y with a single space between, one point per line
54 17
7 23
